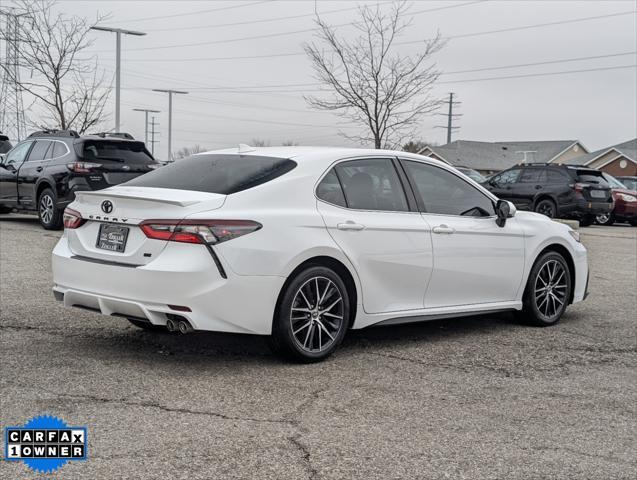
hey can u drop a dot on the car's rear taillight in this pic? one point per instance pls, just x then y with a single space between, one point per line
82 167
578 187
72 219
208 232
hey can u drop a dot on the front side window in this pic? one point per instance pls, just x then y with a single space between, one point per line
16 156
506 178
372 184
223 174
444 193
330 190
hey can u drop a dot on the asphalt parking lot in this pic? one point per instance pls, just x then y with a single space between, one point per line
479 397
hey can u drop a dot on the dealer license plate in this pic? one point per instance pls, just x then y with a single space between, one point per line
112 237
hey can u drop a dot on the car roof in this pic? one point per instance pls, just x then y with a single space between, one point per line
320 154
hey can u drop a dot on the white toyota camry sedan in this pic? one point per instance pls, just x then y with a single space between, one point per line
304 243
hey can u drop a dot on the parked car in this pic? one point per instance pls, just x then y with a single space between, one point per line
557 191
44 172
5 144
625 204
303 244
472 174
629 182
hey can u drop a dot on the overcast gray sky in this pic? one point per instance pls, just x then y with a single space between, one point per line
234 100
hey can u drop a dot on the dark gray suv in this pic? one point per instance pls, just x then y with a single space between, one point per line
43 172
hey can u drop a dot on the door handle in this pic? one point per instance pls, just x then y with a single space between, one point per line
538 187
39 169
443 229
349 225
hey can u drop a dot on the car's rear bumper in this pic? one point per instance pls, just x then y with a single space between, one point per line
582 208
182 275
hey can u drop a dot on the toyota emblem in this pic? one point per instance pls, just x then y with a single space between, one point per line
107 206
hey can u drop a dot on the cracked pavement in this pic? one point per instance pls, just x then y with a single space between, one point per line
476 398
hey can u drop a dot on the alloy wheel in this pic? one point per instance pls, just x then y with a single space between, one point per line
603 219
316 316
550 288
46 208
546 208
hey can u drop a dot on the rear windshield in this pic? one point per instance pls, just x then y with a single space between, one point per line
109 150
224 174
591 176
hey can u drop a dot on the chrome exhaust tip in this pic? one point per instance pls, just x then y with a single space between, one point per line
171 325
185 327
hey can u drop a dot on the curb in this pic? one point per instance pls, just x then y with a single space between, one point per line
574 224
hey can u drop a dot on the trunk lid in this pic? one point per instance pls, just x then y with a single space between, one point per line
124 208
594 186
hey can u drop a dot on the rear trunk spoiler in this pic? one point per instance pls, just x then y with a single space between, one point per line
150 198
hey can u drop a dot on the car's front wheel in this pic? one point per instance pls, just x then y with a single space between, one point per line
548 290
49 214
606 219
312 316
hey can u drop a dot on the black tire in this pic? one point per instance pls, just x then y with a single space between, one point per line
546 207
633 222
48 212
549 283
606 219
318 331
5 209
144 325
586 221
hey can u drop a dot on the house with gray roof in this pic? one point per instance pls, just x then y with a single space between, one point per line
619 160
491 157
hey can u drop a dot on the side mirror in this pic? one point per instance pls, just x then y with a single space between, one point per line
504 210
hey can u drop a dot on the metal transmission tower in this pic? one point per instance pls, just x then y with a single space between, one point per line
12 119
450 117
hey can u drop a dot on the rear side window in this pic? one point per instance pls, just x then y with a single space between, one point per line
224 174
555 176
109 150
330 190
591 176
38 152
372 184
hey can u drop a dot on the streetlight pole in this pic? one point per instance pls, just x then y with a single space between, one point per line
170 116
146 111
118 54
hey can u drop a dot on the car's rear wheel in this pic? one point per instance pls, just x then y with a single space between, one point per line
605 219
5 209
546 207
145 325
548 290
49 214
312 316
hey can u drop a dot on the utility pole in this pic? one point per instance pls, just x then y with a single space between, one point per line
12 120
170 116
152 136
145 110
450 117
118 55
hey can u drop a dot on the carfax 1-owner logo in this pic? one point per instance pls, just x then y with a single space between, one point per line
45 443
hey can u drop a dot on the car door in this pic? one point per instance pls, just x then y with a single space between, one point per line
366 211
9 173
475 261
530 184
503 185
30 171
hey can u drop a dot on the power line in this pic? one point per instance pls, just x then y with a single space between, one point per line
617 67
293 32
291 54
145 19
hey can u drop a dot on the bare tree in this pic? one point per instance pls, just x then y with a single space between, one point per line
188 151
290 143
378 89
63 80
258 142
415 146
